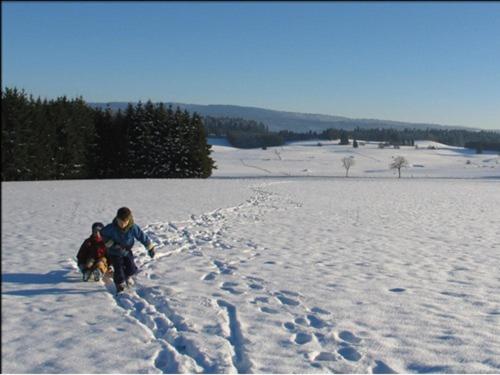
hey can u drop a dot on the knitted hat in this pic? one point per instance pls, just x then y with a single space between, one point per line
97 227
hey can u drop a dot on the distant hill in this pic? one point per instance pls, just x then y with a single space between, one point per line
294 121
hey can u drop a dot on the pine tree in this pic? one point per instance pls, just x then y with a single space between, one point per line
344 138
150 129
161 147
103 145
135 156
201 152
121 138
175 143
15 122
81 130
44 131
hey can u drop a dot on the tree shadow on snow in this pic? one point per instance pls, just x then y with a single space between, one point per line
50 291
491 177
61 276
52 277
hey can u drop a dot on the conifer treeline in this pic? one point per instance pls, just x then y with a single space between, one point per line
242 133
250 134
222 126
452 137
67 139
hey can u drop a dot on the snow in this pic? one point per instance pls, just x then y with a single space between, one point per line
277 264
307 159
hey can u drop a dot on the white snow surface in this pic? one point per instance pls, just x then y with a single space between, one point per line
308 159
276 264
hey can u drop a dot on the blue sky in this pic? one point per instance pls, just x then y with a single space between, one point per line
436 62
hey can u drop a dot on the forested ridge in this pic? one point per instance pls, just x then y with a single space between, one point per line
250 134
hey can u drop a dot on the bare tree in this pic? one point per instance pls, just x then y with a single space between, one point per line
398 163
347 162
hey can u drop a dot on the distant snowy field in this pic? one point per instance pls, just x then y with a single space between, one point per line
278 264
308 159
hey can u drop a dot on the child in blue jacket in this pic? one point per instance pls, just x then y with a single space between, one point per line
119 238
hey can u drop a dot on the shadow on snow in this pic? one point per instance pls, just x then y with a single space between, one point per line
52 277
50 291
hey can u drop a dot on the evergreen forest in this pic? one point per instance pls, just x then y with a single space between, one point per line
67 139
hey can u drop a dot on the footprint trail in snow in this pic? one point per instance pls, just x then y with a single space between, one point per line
233 302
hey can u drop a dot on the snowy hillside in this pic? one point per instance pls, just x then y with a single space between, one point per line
323 159
277 264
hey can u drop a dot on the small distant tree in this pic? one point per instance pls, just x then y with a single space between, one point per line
344 138
332 134
355 144
398 163
347 163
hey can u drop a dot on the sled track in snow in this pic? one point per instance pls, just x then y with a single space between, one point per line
240 358
150 308
263 169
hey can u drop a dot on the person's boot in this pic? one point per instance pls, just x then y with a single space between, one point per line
130 281
120 287
97 274
86 275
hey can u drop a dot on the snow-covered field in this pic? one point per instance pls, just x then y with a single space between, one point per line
277 264
308 159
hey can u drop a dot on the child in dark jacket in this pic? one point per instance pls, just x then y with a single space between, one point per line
119 237
92 255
